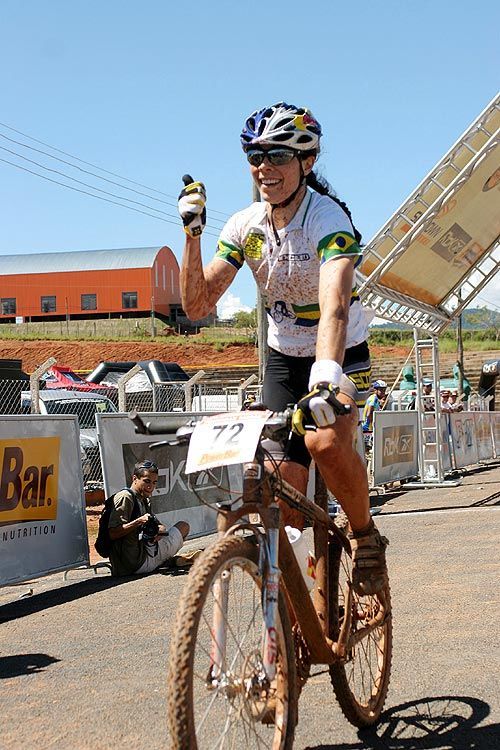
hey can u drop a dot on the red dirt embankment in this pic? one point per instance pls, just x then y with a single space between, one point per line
85 355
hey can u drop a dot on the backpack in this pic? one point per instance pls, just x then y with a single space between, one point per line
103 543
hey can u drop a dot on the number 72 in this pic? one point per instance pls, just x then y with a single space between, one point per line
228 433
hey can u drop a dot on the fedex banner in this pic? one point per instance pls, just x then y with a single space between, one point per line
43 527
395 446
177 496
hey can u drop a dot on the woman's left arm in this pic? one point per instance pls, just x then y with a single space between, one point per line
335 287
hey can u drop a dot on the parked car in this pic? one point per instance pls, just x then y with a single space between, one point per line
158 387
59 376
85 406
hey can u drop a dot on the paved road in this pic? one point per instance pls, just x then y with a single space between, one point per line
82 661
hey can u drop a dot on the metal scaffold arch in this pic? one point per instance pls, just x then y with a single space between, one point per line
433 256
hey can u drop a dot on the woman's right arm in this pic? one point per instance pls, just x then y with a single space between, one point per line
202 288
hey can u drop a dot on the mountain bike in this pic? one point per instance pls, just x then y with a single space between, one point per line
247 630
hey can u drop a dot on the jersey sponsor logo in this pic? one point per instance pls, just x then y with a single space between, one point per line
253 244
361 379
294 257
29 479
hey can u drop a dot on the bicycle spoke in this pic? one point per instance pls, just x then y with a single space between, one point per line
234 708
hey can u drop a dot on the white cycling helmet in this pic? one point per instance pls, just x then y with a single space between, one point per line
380 384
282 125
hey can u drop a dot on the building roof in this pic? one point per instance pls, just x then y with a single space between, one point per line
81 260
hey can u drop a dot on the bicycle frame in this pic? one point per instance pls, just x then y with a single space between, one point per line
277 560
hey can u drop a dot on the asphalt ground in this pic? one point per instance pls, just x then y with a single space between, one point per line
83 660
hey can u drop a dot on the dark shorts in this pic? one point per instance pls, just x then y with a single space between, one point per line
286 380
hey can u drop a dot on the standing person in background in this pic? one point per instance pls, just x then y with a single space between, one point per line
302 249
374 403
427 398
455 405
445 401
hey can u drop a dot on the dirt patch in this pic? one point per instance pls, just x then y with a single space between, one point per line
85 355
93 514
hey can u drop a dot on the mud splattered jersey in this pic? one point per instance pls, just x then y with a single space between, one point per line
288 274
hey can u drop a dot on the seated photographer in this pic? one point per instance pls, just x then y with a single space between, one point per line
140 544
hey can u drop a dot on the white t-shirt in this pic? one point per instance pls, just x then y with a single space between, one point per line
288 274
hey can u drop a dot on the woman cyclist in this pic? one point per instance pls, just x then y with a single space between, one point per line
302 249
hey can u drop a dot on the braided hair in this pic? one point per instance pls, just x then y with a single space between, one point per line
321 186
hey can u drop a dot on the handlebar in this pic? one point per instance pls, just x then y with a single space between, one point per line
277 422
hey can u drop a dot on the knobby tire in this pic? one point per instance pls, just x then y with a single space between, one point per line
228 715
361 681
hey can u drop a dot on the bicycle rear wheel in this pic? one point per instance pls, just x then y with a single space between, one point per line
361 679
218 694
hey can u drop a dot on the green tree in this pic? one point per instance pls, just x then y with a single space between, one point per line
243 319
484 318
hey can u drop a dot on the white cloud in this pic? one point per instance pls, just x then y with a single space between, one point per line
229 304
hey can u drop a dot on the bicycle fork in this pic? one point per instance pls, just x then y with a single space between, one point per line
269 574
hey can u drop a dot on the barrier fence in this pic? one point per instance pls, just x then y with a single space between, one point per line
42 509
135 394
468 437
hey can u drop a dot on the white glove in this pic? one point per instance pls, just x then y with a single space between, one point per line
323 371
192 208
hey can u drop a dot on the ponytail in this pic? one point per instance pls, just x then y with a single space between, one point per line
321 186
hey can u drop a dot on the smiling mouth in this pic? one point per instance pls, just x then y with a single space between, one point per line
266 182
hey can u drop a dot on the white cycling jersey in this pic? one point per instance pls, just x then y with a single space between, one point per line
287 274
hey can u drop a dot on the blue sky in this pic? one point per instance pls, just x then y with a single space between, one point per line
152 90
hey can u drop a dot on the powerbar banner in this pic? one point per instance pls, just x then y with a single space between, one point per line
395 447
177 496
42 508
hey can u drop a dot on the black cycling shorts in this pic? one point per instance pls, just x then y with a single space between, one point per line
286 380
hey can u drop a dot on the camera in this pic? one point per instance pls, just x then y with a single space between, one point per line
150 529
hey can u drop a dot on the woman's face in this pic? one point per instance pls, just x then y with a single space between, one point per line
275 183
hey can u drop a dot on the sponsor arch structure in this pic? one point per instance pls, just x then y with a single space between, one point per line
436 253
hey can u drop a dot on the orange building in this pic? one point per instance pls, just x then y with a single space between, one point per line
92 283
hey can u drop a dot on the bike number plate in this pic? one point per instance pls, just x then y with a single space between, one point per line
224 439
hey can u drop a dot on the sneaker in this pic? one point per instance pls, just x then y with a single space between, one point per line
369 567
187 558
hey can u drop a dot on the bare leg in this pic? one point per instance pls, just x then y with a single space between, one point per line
341 466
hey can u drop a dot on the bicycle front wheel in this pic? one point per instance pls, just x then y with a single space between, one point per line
218 692
361 679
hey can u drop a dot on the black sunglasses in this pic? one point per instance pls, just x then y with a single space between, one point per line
275 156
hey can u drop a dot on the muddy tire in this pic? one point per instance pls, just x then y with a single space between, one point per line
229 706
361 681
